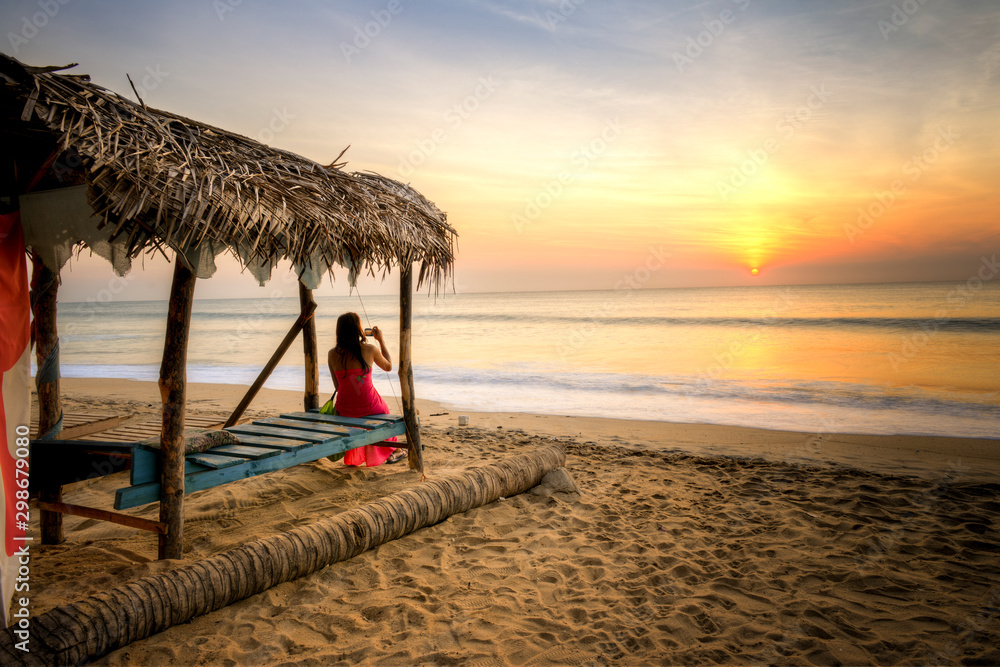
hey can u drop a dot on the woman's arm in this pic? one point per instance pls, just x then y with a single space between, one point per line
380 354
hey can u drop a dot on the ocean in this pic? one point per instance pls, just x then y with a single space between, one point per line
914 358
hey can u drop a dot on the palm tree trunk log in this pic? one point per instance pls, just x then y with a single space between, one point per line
88 629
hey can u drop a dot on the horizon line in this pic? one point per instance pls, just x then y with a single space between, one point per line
546 291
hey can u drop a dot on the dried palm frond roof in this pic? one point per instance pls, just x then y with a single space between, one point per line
159 179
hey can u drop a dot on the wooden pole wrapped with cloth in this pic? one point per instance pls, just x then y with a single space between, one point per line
44 292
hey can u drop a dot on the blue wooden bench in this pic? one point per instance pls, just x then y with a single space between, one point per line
265 445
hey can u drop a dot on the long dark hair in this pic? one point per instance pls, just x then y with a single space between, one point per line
349 337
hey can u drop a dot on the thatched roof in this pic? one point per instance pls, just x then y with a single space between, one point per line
157 179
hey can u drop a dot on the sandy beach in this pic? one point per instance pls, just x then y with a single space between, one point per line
687 544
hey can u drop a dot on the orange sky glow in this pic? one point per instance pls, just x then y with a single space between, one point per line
815 142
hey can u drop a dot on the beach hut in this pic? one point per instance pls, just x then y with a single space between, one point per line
123 179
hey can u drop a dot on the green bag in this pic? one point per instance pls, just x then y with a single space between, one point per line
328 407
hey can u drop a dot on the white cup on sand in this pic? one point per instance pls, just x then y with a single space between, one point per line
463 420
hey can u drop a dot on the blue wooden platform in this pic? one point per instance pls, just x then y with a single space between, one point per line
265 445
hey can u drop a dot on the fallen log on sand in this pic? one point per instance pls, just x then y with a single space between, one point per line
85 630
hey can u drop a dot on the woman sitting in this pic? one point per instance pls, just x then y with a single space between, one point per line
351 367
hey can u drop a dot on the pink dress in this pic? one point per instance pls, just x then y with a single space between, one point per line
356 397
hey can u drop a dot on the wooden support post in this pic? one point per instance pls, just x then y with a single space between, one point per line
309 349
416 454
173 380
44 289
300 322
105 515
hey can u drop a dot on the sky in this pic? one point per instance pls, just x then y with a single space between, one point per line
576 144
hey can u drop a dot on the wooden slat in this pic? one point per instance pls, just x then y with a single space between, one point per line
77 424
151 428
333 419
214 461
337 420
361 422
385 418
243 451
91 426
274 443
125 434
277 432
325 429
201 421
